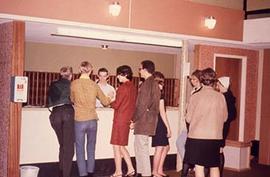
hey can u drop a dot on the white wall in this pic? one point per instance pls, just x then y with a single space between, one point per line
39 143
257 31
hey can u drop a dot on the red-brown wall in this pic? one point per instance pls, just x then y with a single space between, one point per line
205 58
174 16
264 152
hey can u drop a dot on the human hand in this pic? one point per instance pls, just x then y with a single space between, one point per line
169 133
131 126
111 96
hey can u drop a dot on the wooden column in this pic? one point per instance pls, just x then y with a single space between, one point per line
182 95
264 151
11 64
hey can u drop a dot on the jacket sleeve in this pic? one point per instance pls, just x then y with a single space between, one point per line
72 92
155 98
190 109
103 98
224 109
120 96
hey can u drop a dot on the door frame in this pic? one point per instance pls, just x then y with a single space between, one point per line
242 90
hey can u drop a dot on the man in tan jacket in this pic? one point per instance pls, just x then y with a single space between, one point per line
84 93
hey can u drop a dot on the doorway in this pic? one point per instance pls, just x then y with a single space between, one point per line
235 68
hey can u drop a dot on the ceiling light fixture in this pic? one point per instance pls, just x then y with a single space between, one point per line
115 9
210 22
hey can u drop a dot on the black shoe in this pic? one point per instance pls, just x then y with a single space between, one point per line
138 175
90 175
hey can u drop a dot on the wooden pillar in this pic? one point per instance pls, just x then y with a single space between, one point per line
264 151
11 64
182 95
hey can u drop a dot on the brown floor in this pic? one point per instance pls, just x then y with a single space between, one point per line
256 170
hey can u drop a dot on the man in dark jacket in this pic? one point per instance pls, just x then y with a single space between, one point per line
145 117
62 119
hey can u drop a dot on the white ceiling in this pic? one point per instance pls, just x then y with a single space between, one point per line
41 33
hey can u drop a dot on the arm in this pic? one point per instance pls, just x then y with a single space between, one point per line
224 109
103 98
164 117
190 110
72 92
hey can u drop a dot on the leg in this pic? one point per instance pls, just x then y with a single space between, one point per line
91 145
199 171
126 156
142 155
206 171
80 143
221 165
117 160
68 141
185 169
56 123
180 143
165 150
214 172
156 160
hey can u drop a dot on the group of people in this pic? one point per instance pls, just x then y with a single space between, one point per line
74 119
210 111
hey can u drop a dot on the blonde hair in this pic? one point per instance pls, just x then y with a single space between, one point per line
66 72
85 67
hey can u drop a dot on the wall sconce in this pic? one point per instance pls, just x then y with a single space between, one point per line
115 9
210 22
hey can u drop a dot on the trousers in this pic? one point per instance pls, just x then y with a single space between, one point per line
62 121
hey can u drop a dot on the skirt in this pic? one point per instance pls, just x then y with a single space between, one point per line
204 152
160 138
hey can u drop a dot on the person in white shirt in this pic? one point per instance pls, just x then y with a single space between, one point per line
102 82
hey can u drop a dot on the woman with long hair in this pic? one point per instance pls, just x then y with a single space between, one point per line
163 132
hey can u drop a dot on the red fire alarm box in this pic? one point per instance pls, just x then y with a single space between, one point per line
19 87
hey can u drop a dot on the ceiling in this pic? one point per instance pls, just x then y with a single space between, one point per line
45 33
40 32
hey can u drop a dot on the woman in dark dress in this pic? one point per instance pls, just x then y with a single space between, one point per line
163 132
223 86
124 106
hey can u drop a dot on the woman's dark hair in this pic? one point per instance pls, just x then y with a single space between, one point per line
148 65
197 73
125 70
208 77
159 77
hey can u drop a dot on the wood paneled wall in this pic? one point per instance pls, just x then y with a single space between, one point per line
12 64
40 81
264 151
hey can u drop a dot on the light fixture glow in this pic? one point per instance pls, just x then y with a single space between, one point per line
210 22
115 9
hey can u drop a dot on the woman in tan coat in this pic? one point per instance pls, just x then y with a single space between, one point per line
206 114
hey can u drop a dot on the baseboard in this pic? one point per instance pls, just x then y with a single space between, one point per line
103 167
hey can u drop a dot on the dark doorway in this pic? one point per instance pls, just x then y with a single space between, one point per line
232 67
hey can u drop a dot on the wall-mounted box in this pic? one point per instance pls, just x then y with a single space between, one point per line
19 87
